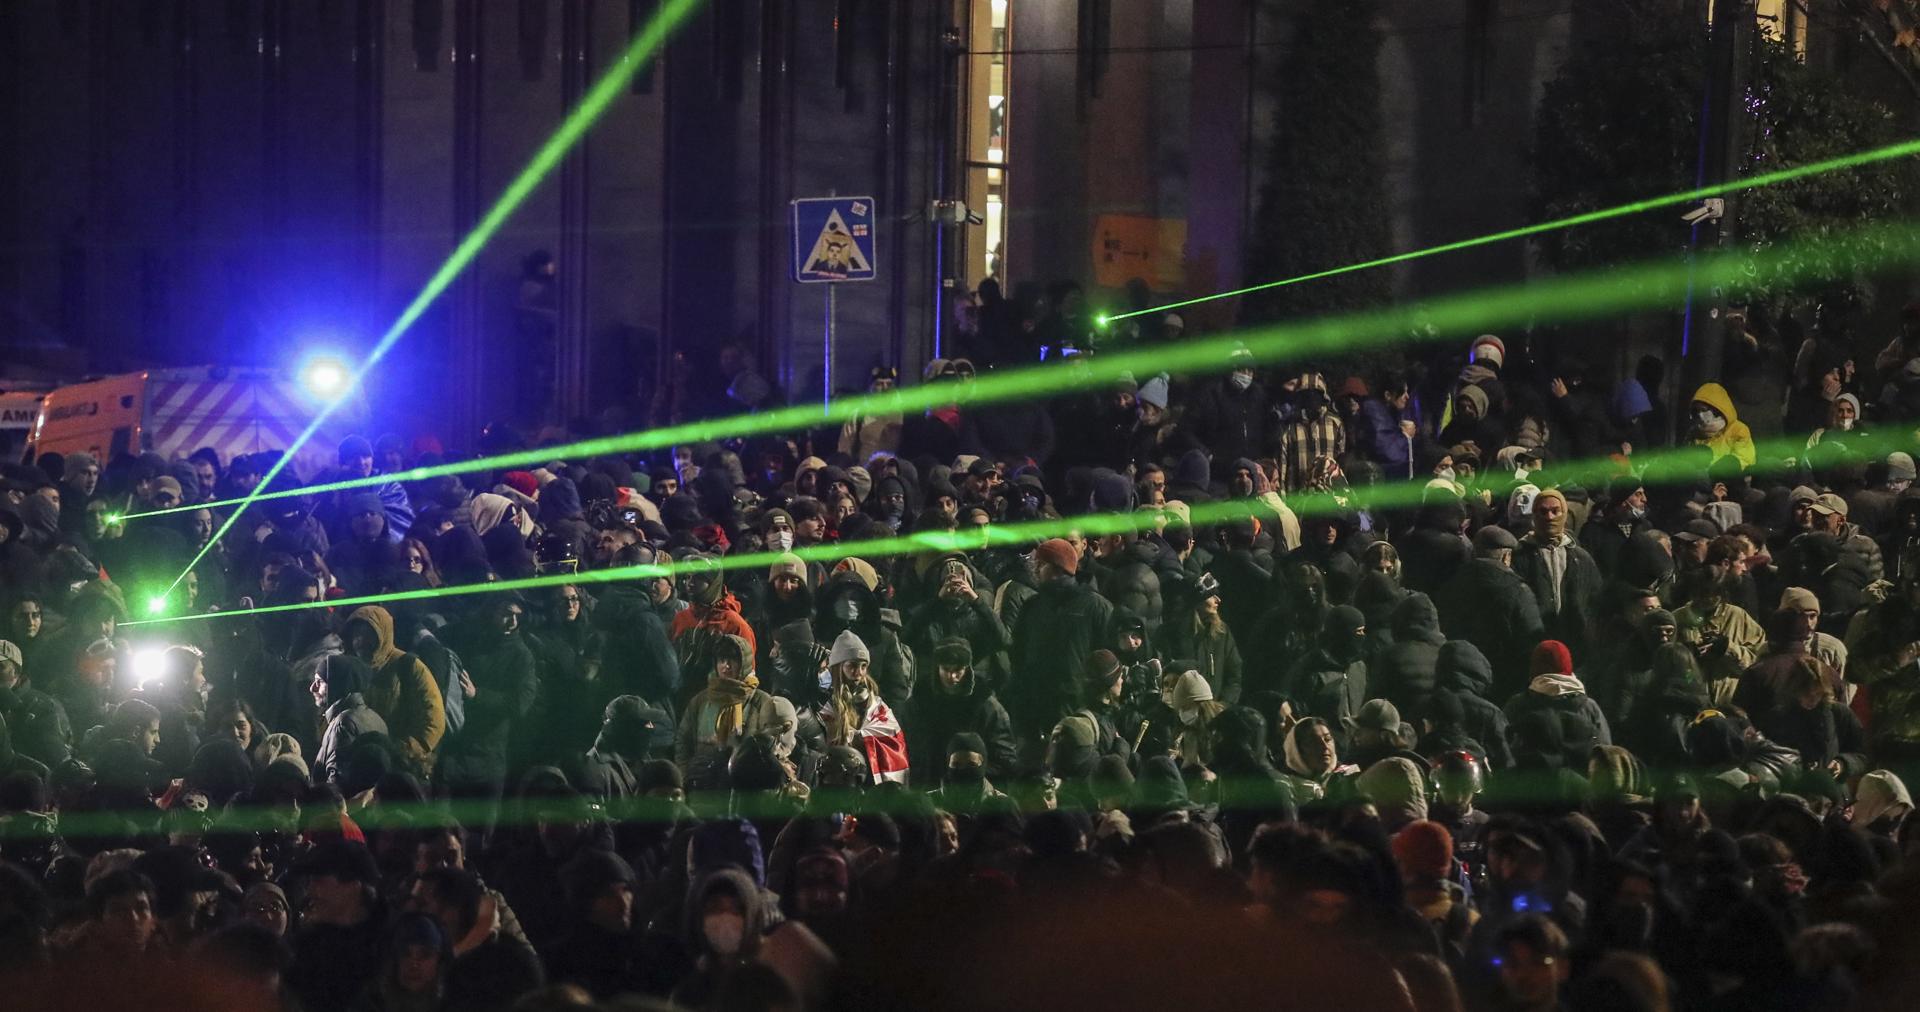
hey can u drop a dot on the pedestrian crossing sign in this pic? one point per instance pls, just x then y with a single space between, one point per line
833 239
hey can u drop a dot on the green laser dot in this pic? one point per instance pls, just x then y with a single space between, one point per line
156 605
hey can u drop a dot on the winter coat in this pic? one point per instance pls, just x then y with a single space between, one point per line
505 688
1580 587
1230 421
638 658
697 748
934 715
1434 550
1056 631
1827 733
1880 645
891 666
1745 638
1246 588
1736 440
1406 673
1215 654
347 720
970 620
404 693
1383 440
1325 687
1491 607
37 724
1582 725
1463 670
1130 581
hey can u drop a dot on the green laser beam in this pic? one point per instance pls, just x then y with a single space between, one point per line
1567 298
1765 179
572 128
1234 792
1661 466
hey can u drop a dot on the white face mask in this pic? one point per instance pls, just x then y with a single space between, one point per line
1190 716
1241 378
1846 424
1709 422
1445 473
780 541
725 932
826 681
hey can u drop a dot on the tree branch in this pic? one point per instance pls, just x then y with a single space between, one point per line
1872 35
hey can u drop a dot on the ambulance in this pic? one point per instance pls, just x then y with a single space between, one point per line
174 412
19 409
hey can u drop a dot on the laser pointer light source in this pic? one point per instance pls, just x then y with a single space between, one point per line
324 377
647 42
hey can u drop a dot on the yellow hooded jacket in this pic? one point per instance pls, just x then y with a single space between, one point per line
1736 440
403 692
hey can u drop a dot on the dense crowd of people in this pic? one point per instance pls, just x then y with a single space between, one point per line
1515 741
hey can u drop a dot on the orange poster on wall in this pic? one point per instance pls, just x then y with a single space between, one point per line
1129 246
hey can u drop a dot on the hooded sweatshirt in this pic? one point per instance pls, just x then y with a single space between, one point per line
403 692
1880 795
1733 440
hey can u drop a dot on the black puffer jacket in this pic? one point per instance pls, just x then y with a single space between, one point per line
934 715
1406 673
1488 605
1434 549
1463 670
1056 631
1130 581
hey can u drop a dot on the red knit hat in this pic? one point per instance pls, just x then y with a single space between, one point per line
1058 551
1551 657
1424 852
522 482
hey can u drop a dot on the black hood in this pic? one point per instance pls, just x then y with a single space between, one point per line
1415 619
1463 668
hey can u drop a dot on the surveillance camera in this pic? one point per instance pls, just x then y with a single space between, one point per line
950 212
1710 209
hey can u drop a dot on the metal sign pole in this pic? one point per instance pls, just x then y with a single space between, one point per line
826 358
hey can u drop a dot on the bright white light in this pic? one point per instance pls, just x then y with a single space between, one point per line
148 665
324 377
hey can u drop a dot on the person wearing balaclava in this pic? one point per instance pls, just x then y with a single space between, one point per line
1331 682
856 717
1566 580
964 780
1714 424
629 735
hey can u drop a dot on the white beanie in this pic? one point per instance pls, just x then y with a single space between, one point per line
847 647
